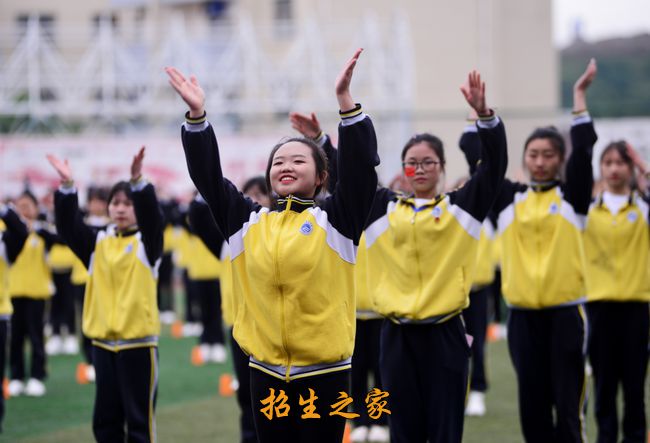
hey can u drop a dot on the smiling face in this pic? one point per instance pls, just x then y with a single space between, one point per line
293 171
121 212
543 160
422 168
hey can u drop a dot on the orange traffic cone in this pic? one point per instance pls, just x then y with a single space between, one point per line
5 388
225 386
177 329
82 374
493 332
197 356
346 435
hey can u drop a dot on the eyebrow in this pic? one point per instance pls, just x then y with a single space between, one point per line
281 157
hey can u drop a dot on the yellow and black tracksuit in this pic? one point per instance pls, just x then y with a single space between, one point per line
476 314
79 278
61 261
543 279
295 267
204 272
206 229
617 248
30 285
13 234
120 312
421 264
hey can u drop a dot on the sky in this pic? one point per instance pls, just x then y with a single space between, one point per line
599 19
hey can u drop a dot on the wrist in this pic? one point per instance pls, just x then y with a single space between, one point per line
67 182
196 113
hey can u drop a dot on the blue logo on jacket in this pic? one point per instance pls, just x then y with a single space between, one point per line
306 228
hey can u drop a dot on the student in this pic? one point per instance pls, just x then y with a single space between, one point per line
13 234
120 310
97 219
30 285
295 264
365 359
617 248
476 314
204 271
421 260
540 227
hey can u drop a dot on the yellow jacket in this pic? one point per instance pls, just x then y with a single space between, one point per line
294 266
617 247
30 274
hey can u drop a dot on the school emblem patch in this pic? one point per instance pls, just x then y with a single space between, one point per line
306 228
632 216
436 212
128 249
554 208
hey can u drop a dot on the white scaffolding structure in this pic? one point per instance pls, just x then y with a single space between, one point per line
114 79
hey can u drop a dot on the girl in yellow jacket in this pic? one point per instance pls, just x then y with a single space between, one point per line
294 264
120 311
13 234
617 248
30 286
421 260
540 228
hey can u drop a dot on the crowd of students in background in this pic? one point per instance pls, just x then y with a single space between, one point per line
317 277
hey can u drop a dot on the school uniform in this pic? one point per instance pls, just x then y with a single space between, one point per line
296 320
13 234
30 286
543 281
204 271
422 260
618 294
207 231
120 312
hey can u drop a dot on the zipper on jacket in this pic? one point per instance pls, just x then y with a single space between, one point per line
283 326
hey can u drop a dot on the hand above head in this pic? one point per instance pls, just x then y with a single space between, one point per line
136 165
474 92
308 126
62 168
343 83
189 90
581 85
636 158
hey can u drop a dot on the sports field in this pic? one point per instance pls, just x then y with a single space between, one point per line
190 408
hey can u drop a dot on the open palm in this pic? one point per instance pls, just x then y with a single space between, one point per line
61 166
189 90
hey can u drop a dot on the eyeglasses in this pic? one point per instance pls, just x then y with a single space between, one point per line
427 164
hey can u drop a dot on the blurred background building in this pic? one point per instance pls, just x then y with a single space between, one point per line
85 79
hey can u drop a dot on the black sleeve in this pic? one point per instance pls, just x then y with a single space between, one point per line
349 205
383 196
481 190
205 227
150 221
15 235
229 207
71 227
51 238
579 176
332 164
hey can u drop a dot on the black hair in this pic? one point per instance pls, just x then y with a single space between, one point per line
97 193
551 134
317 153
121 186
29 195
432 141
256 182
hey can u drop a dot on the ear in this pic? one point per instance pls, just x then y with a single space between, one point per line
322 178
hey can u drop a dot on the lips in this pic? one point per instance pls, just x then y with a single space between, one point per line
287 179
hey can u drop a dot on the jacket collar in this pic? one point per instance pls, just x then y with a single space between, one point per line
293 203
543 186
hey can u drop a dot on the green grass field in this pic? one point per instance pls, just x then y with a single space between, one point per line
191 410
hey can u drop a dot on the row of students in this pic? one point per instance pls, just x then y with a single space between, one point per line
13 235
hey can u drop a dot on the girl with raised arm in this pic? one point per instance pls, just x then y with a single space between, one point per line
120 312
293 265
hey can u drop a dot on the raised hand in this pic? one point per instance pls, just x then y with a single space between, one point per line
474 92
136 165
189 90
343 83
61 166
636 158
308 126
581 85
